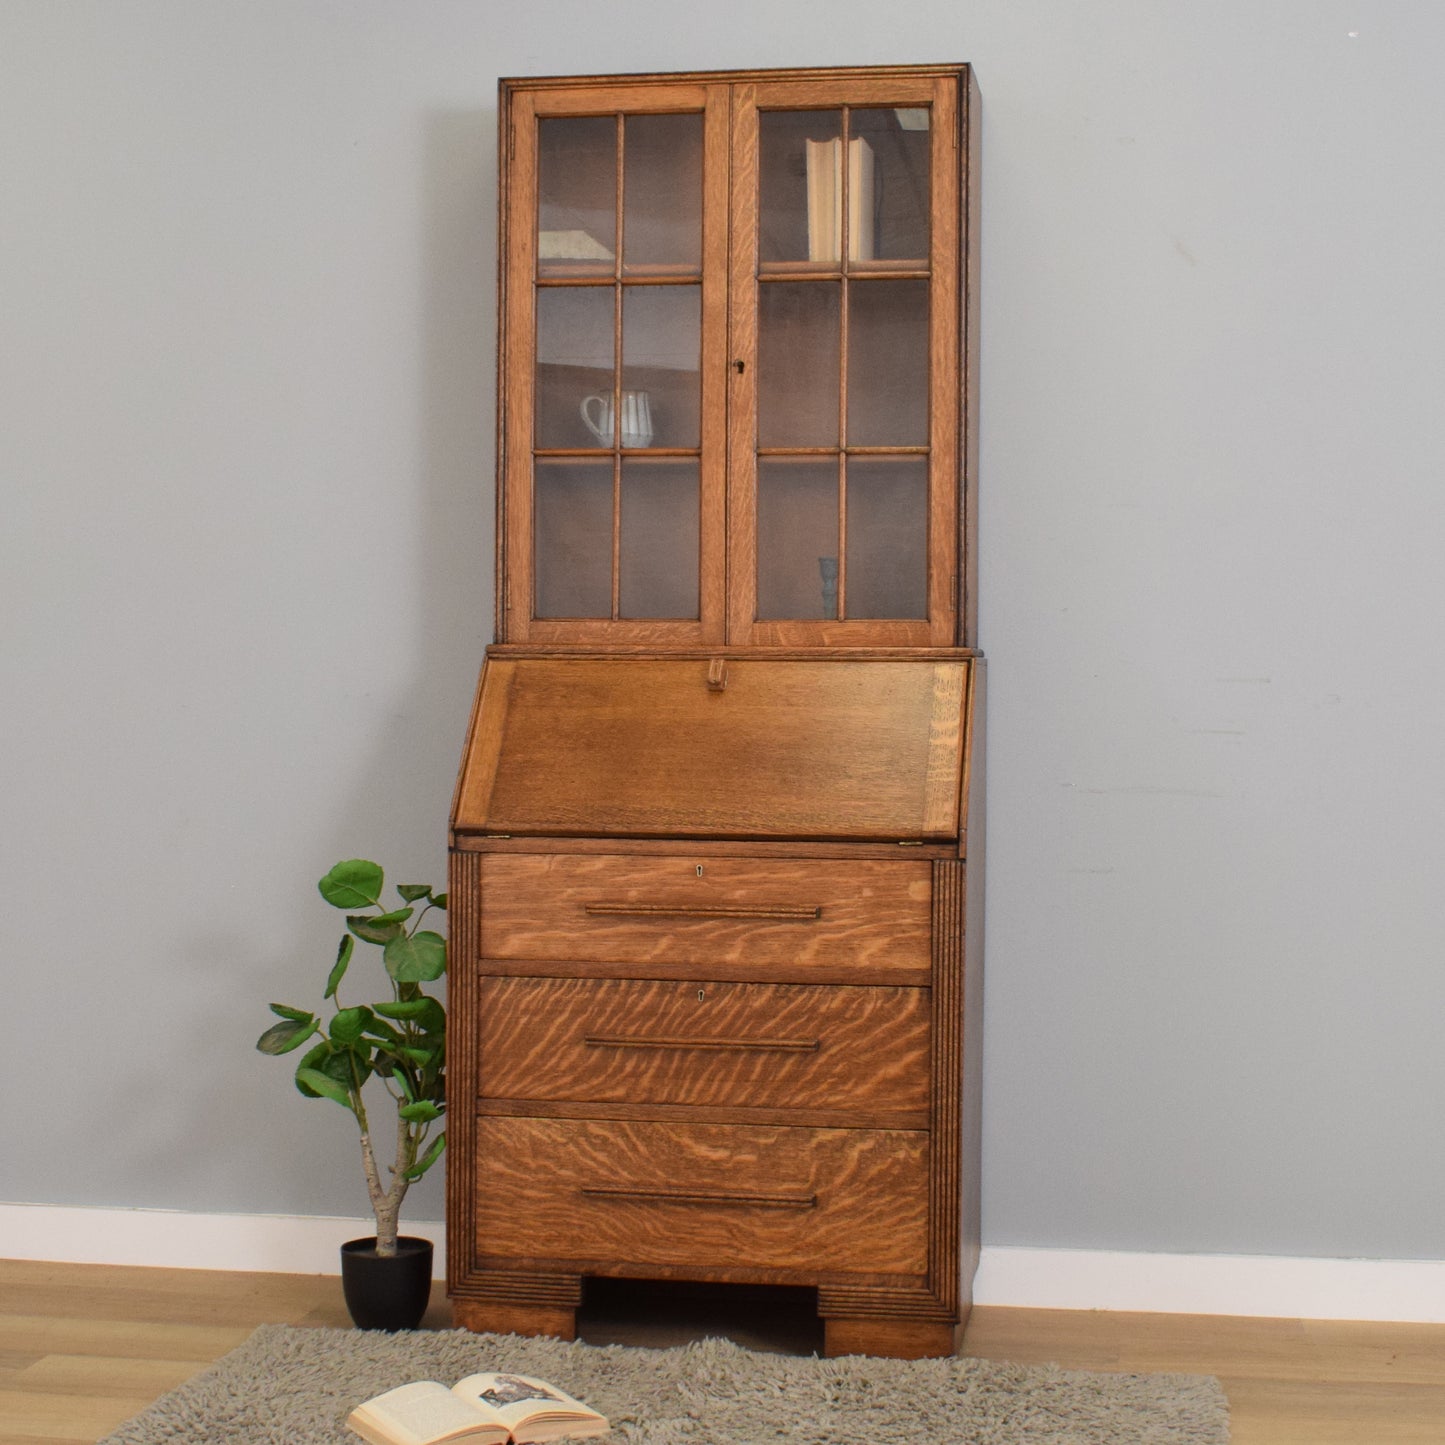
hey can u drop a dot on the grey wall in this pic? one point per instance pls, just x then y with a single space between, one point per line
247 262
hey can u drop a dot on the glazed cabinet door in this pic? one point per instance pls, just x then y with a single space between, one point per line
844 404
613 360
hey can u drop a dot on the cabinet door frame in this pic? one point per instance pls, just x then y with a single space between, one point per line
941 94
522 109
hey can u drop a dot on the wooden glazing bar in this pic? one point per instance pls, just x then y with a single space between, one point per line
658 277
859 270
592 454
617 341
917 451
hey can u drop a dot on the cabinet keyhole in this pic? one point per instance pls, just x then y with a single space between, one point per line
699 870
699 995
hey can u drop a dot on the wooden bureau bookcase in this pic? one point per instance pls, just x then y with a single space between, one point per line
715 980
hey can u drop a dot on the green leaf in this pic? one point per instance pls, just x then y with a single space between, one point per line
287 1035
426 1062
413 891
366 926
338 969
439 900
426 1013
325 1086
299 1014
344 1064
319 1059
417 959
422 1112
355 883
407 1008
428 1159
375 1029
349 1024
312 1058
398 915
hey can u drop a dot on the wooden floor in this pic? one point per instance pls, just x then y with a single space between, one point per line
83 1347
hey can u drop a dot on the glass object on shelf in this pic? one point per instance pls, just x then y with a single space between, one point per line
574 361
887 523
658 552
662 362
576 195
898 143
799 355
572 528
662 192
797 537
887 363
798 155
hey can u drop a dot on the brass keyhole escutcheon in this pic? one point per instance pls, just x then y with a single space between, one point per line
700 995
699 870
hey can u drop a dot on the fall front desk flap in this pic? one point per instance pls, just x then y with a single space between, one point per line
717 747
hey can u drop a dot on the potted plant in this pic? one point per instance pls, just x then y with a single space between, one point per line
400 1043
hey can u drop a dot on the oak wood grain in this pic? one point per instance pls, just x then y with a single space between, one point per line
740 1045
971 149
825 749
869 914
802 1202
712 1018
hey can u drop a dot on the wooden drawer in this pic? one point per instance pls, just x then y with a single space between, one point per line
863 919
602 1195
728 1045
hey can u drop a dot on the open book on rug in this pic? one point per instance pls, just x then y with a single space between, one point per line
479 1410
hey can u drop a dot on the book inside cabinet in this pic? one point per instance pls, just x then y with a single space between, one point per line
716 844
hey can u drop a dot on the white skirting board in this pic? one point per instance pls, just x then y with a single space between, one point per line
174 1239
1065 1279
1275 1286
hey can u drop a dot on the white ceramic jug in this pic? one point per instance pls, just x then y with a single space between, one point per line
636 418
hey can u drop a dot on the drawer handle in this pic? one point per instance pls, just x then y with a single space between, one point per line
756 1046
682 1196
779 912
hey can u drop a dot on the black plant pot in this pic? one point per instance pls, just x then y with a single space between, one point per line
386 1294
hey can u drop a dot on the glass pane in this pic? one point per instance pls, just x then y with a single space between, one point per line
576 195
662 191
574 366
572 524
888 363
887 537
891 156
798 538
661 366
798 363
660 536
799 166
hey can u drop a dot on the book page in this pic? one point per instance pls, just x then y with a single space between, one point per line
531 1409
421 1414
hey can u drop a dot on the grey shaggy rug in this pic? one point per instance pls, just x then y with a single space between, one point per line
290 1386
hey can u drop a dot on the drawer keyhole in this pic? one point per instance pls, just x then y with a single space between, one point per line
700 996
699 870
